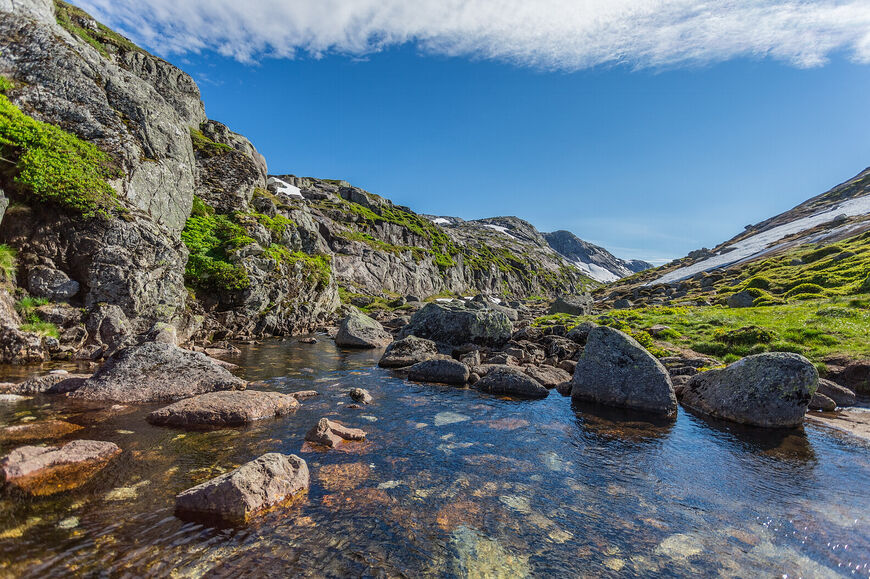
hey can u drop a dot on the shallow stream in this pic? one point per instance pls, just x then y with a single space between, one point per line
451 483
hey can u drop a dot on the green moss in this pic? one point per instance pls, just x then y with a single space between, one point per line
805 288
318 267
8 262
103 39
5 84
49 165
205 146
211 239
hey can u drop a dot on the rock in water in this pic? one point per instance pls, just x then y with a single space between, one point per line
511 382
822 402
357 330
548 376
331 434
407 352
459 323
46 470
156 372
360 395
251 489
229 408
771 390
841 395
50 384
615 370
442 371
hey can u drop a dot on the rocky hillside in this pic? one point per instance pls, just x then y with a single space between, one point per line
379 248
594 261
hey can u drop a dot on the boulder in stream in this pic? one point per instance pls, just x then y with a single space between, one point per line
46 470
227 408
331 434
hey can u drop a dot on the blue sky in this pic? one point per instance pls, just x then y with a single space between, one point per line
648 159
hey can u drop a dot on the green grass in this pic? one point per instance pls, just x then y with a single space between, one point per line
205 146
6 84
318 267
817 328
41 328
102 39
210 239
8 262
26 306
49 165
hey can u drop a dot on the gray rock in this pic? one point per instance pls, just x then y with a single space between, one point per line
622 304
511 382
156 372
580 332
615 370
442 371
227 408
331 434
360 395
50 384
407 352
573 305
457 323
821 402
253 488
742 299
548 376
357 330
45 470
841 395
50 283
303 394
564 388
769 390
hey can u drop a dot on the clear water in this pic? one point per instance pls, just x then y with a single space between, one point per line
453 483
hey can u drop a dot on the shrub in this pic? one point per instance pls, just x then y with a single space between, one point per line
863 287
8 262
730 358
821 253
54 166
5 84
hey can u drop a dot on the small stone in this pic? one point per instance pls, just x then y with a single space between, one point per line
361 395
331 434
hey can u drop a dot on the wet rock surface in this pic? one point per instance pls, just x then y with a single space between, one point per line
228 408
442 371
237 496
511 382
615 370
330 433
769 390
155 372
46 470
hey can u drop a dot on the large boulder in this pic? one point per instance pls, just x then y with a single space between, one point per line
615 370
46 470
574 305
154 372
442 371
50 283
770 390
511 382
253 488
407 352
548 376
357 330
459 323
227 408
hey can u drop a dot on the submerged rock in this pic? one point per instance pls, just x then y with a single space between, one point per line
407 352
156 372
615 370
237 496
357 330
230 408
46 470
43 430
443 371
771 390
459 323
512 382
331 434
477 555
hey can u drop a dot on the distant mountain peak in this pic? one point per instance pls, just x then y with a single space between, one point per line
595 261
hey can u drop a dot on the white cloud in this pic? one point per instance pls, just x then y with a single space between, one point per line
550 34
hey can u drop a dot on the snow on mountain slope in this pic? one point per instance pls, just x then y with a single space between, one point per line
835 214
595 261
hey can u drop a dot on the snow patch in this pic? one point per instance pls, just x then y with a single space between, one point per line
760 243
595 271
285 188
498 228
441 221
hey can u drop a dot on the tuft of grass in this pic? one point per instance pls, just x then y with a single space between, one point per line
50 165
80 24
8 262
42 328
205 146
26 307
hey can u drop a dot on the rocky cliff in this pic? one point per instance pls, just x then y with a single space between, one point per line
595 261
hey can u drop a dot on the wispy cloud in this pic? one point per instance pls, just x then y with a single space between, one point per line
549 34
